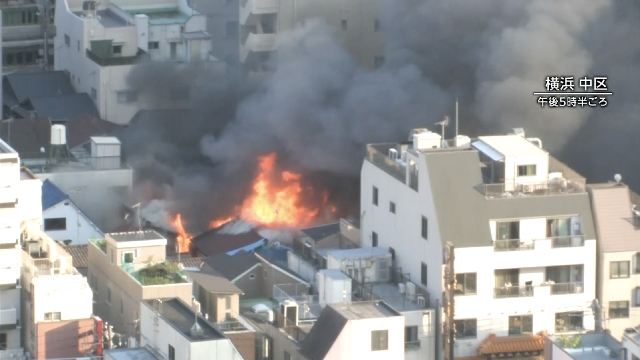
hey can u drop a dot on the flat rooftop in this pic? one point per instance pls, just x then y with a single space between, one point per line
365 310
510 145
160 16
131 354
594 346
135 236
181 317
107 18
391 295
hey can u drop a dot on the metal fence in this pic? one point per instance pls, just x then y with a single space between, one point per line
560 187
513 291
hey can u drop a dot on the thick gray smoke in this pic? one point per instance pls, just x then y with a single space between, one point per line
319 109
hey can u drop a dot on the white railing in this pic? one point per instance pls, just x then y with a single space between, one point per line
551 187
258 43
554 242
9 316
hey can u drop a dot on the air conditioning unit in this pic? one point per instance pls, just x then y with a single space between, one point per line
421 301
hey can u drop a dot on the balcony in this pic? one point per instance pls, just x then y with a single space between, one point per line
512 245
567 241
513 292
567 288
258 43
251 9
551 187
9 318
412 344
8 276
555 242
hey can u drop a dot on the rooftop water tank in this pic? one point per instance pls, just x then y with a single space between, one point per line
58 135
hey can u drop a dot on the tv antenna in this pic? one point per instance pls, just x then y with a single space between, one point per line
443 123
137 206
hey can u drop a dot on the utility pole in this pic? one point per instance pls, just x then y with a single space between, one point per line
450 282
597 315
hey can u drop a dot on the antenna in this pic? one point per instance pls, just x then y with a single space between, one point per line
196 329
137 206
443 123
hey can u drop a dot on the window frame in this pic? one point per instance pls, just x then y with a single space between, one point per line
521 326
67 40
464 281
569 315
155 46
375 196
464 324
124 256
379 340
48 222
615 311
424 273
51 316
113 49
424 228
374 239
171 355
616 265
411 334
524 170
392 207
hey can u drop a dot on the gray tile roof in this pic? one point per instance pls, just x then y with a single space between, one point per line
456 181
321 232
39 84
214 282
181 317
323 334
612 212
64 107
232 266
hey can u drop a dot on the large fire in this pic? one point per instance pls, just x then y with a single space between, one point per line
183 238
217 223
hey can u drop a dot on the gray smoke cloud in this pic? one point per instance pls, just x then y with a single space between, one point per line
319 109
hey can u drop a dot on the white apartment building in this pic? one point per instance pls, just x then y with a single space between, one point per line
176 330
355 24
631 344
98 43
618 229
520 222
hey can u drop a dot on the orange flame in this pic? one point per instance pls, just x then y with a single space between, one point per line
217 223
276 203
184 238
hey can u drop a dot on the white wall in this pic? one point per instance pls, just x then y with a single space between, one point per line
558 354
53 294
332 291
30 203
425 320
166 335
618 289
511 164
402 230
354 341
79 229
631 344
298 265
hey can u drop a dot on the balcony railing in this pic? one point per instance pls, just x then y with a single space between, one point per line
551 187
567 288
513 291
567 241
511 245
412 344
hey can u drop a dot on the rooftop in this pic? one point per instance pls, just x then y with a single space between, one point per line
6 149
135 236
79 254
214 282
181 317
614 217
509 345
323 231
335 274
358 253
365 310
509 145
131 354
391 295
592 346
232 266
217 241
160 16
51 195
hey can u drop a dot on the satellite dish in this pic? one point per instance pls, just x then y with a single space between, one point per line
617 177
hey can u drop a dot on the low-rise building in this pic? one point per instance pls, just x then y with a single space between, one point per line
127 268
631 344
590 346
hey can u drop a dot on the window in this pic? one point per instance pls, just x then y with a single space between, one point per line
424 231
526 170
374 239
569 321
636 296
116 49
19 58
507 230
172 353
52 316
252 276
392 207
55 224
231 28
121 306
619 269
127 96
154 45
379 340
465 284
67 40
344 25
618 309
636 263
376 25
520 325
29 57
423 274
78 45
287 356
94 93
265 274
411 336
465 328
393 253
3 341
127 258
9 59
375 196
378 61
108 295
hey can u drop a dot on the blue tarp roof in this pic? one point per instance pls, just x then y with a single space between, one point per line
51 195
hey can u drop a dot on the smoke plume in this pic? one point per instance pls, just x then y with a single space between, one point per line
319 109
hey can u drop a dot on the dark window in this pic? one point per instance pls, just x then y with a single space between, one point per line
619 269
67 40
172 353
127 257
28 57
55 224
466 328
231 28
287 356
423 274
392 207
3 341
618 309
411 336
24 17
374 239
154 45
508 230
526 170
52 316
424 231
127 96
636 263
569 321
379 340
520 325
227 303
116 49
109 295
376 25
344 24
94 93
375 196
9 59
465 284
78 45
378 61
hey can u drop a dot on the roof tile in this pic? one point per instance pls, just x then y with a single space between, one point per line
494 345
79 254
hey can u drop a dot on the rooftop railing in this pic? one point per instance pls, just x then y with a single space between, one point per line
385 163
117 60
560 187
41 165
513 292
163 273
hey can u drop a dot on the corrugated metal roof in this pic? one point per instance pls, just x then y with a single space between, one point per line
64 107
39 84
614 218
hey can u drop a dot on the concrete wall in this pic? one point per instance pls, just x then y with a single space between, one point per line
280 343
274 276
301 267
79 229
52 294
618 289
245 343
215 305
251 283
425 320
511 164
355 339
64 339
631 343
219 13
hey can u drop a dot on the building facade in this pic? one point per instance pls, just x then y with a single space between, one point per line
99 43
617 225
519 221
